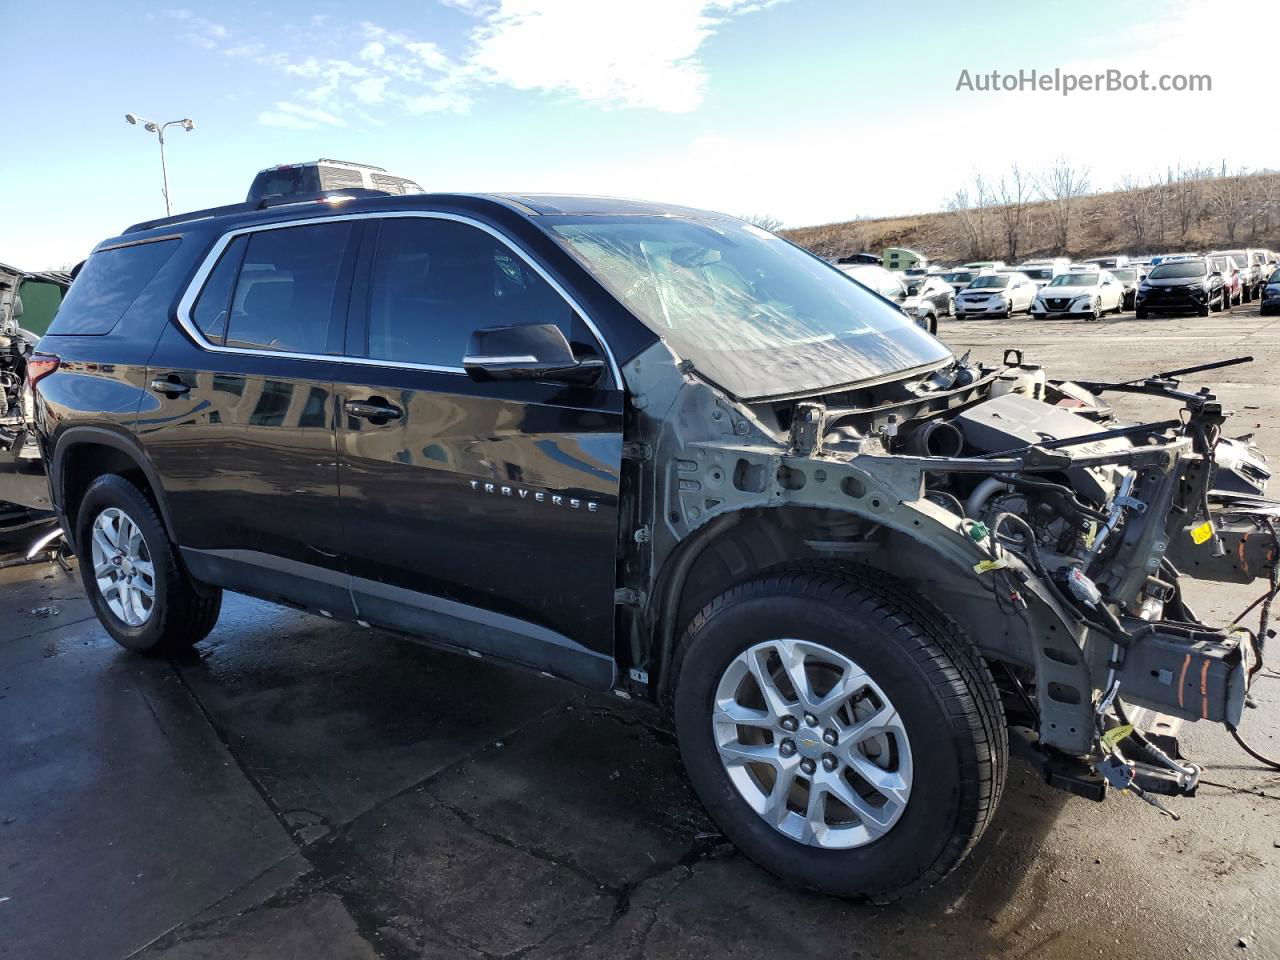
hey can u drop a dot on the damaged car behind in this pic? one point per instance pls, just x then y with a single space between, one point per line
664 454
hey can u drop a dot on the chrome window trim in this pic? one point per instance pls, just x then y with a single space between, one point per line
197 283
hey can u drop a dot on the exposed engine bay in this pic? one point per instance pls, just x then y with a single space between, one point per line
22 486
1081 528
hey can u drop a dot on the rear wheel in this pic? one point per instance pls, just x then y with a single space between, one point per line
840 731
142 595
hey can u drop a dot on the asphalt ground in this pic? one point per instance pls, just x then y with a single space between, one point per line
302 788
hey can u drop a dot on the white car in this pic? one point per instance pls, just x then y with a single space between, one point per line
996 295
1079 293
1042 271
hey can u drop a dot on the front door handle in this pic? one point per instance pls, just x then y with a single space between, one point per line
375 410
170 386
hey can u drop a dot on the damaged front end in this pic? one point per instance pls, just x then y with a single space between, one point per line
1055 536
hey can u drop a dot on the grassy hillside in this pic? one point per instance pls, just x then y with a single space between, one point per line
1146 219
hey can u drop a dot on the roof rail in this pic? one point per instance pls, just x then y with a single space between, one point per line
324 196
351 163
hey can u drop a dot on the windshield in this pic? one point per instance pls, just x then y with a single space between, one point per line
1039 273
756 315
962 276
1178 271
1127 276
1075 280
992 281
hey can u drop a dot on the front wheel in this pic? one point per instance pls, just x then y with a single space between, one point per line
141 593
840 731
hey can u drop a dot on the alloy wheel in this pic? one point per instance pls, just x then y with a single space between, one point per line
812 744
122 567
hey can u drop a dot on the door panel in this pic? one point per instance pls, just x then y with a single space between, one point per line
243 440
486 515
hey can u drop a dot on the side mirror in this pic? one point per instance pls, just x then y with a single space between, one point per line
532 351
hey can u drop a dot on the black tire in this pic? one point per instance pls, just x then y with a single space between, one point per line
951 306
184 610
944 693
931 323
1202 311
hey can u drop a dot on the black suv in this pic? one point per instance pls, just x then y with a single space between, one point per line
662 453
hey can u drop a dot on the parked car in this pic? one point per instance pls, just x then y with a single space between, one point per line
1250 271
996 295
1233 292
310 176
932 298
892 287
1042 271
1080 292
1166 257
1260 259
662 454
872 258
1108 262
959 279
29 300
1269 265
1128 278
985 265
1270 295
1181 286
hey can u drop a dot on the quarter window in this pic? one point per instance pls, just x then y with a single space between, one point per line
283 296
107 286
436 281
210 311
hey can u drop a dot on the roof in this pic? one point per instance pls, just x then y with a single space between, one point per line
568 204
524 204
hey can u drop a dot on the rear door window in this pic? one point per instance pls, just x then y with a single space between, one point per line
107 286
283 297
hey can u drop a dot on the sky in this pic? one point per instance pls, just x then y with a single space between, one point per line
809 111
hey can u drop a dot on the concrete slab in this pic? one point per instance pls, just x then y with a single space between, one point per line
332 718
122 813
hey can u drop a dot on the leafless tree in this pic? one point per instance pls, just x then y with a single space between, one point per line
1138 203
965 220
1266 195
1186 196
763 221
1012 194
1061 186
1227 198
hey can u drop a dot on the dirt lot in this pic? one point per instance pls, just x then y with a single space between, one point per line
301 788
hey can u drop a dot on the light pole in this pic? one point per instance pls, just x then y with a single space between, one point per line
158 129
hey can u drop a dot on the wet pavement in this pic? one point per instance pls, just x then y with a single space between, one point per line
303 788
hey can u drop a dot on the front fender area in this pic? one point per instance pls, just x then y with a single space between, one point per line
729 499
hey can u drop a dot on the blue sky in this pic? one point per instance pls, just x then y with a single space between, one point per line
807 110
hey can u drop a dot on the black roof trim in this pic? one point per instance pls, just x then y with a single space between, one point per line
209 213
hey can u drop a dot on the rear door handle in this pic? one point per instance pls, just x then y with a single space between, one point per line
375 410
170 386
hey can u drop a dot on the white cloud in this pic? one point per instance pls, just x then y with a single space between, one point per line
639 55
286 121
310 113
634 55
370 89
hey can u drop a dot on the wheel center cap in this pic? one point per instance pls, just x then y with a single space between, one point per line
809 744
